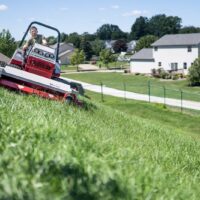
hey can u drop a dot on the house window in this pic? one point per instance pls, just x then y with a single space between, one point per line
189 49
174 66
155 48
159 64
184 65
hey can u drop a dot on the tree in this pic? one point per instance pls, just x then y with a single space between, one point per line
63 37
160 25
110 32
145 42
77 58
88 36
106 56
97 46
139 28
74 38
194 73
86 47
189 29
119 46
7 43
51 40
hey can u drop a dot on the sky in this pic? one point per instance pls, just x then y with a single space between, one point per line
88 15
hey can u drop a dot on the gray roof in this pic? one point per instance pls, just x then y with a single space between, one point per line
178 39
4 58
143 54
64 47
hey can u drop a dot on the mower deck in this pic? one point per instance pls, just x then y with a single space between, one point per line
34 79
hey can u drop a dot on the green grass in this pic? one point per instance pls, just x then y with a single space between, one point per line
186 121
139 84
116 64
52 151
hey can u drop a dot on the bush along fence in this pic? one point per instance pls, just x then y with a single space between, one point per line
153 94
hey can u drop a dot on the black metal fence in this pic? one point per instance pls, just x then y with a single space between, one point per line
154 94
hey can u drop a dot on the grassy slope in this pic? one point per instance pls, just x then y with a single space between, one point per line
140 84
51 151
187 121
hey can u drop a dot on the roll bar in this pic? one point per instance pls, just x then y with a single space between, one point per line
46 26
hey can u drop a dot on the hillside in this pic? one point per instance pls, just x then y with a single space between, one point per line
52 151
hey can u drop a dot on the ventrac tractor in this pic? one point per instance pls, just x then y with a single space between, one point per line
37 70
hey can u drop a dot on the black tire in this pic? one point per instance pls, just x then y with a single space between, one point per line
69 100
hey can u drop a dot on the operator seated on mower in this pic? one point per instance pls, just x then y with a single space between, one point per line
39 39
35 38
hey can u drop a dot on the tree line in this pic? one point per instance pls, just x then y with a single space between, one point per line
145 30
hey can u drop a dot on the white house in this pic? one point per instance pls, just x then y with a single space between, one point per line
174 52
142 61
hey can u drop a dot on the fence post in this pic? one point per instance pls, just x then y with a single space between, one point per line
181 100
164 90
149 90
124 91
102 92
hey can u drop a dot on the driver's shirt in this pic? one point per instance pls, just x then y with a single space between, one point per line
37 39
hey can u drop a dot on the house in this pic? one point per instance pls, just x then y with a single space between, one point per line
65 52
4 59
131 46
143 61
174 52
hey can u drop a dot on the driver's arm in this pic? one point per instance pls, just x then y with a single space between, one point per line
28 43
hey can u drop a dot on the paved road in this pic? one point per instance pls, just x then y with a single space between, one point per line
131 95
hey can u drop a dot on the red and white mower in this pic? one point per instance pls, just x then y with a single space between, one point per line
37 71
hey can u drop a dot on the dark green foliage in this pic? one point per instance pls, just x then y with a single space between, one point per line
51 40
97 46
157 25
63 37
160 25
139 28
189 29
194 73
7 43
86 47
88 36
110 32
74 38
145 42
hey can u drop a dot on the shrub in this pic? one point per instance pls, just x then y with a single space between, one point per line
165 74
175 77
137 73
194 73
127 71
153 72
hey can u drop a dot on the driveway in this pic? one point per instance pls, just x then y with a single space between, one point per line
131 95
87 67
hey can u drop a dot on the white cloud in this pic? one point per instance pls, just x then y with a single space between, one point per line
101 9
135 13
64 9
3 7
115 7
